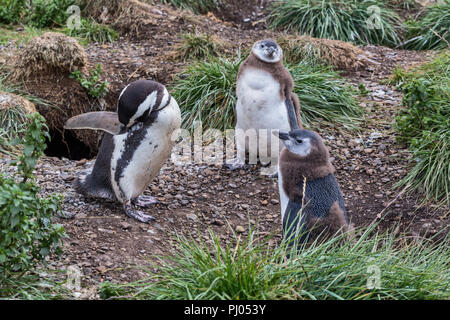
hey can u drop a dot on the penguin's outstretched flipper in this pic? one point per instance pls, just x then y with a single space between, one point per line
100 120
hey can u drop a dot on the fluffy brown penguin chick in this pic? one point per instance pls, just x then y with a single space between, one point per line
265 102
306 159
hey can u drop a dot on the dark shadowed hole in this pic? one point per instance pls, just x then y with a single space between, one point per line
67 146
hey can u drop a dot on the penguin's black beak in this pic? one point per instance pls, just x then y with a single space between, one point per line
271 51
283 135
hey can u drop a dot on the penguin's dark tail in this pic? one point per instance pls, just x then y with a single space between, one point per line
87 186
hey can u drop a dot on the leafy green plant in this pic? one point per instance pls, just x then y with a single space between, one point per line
12 11
248 268
92 82
356 21
48 13
206 93
197 6
36 13
27 234
425 126
93 32
432 31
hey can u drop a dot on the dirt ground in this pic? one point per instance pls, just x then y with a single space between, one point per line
107 245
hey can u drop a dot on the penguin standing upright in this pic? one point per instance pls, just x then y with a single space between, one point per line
310 196
137 142
265 100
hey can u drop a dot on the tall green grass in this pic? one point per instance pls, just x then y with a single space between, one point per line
432 31
92 31
13 120
198 46
357 21
335 269
205 92
424 125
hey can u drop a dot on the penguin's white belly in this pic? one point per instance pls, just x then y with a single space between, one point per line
284 199
148 158
259 104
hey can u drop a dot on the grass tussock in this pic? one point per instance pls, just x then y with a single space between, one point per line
196 6
332 269
49 53
339 54
92 31
432 31
13 119
198 46
424 125
361 22
206 92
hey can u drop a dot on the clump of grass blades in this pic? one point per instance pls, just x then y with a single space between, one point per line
93 31
407 5
197 6
333 269
432 31
425 125
37 285
206 93
12 122
13 119
198 46
356 21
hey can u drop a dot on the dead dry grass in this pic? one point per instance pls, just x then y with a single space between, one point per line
340 54
49 53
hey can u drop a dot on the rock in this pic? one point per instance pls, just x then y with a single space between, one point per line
192 217
81 162
240 229
125 225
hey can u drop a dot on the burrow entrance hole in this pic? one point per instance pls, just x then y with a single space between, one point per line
66 145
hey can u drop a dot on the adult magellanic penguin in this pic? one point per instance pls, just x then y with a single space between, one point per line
310 197
137 142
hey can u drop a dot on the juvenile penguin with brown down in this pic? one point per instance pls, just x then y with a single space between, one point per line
311 199
265 102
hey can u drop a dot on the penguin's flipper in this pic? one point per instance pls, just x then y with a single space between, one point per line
100 120
292 114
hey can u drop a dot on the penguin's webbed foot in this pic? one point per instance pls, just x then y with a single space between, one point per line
144 201
136 214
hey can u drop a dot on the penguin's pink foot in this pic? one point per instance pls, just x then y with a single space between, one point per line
145 201
135 214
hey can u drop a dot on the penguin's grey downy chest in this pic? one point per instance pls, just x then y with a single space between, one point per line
140 153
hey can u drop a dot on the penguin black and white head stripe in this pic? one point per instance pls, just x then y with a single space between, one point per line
265 99
268 51
135 147
139 99
310 195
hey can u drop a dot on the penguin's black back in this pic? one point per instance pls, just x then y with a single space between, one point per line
320 194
